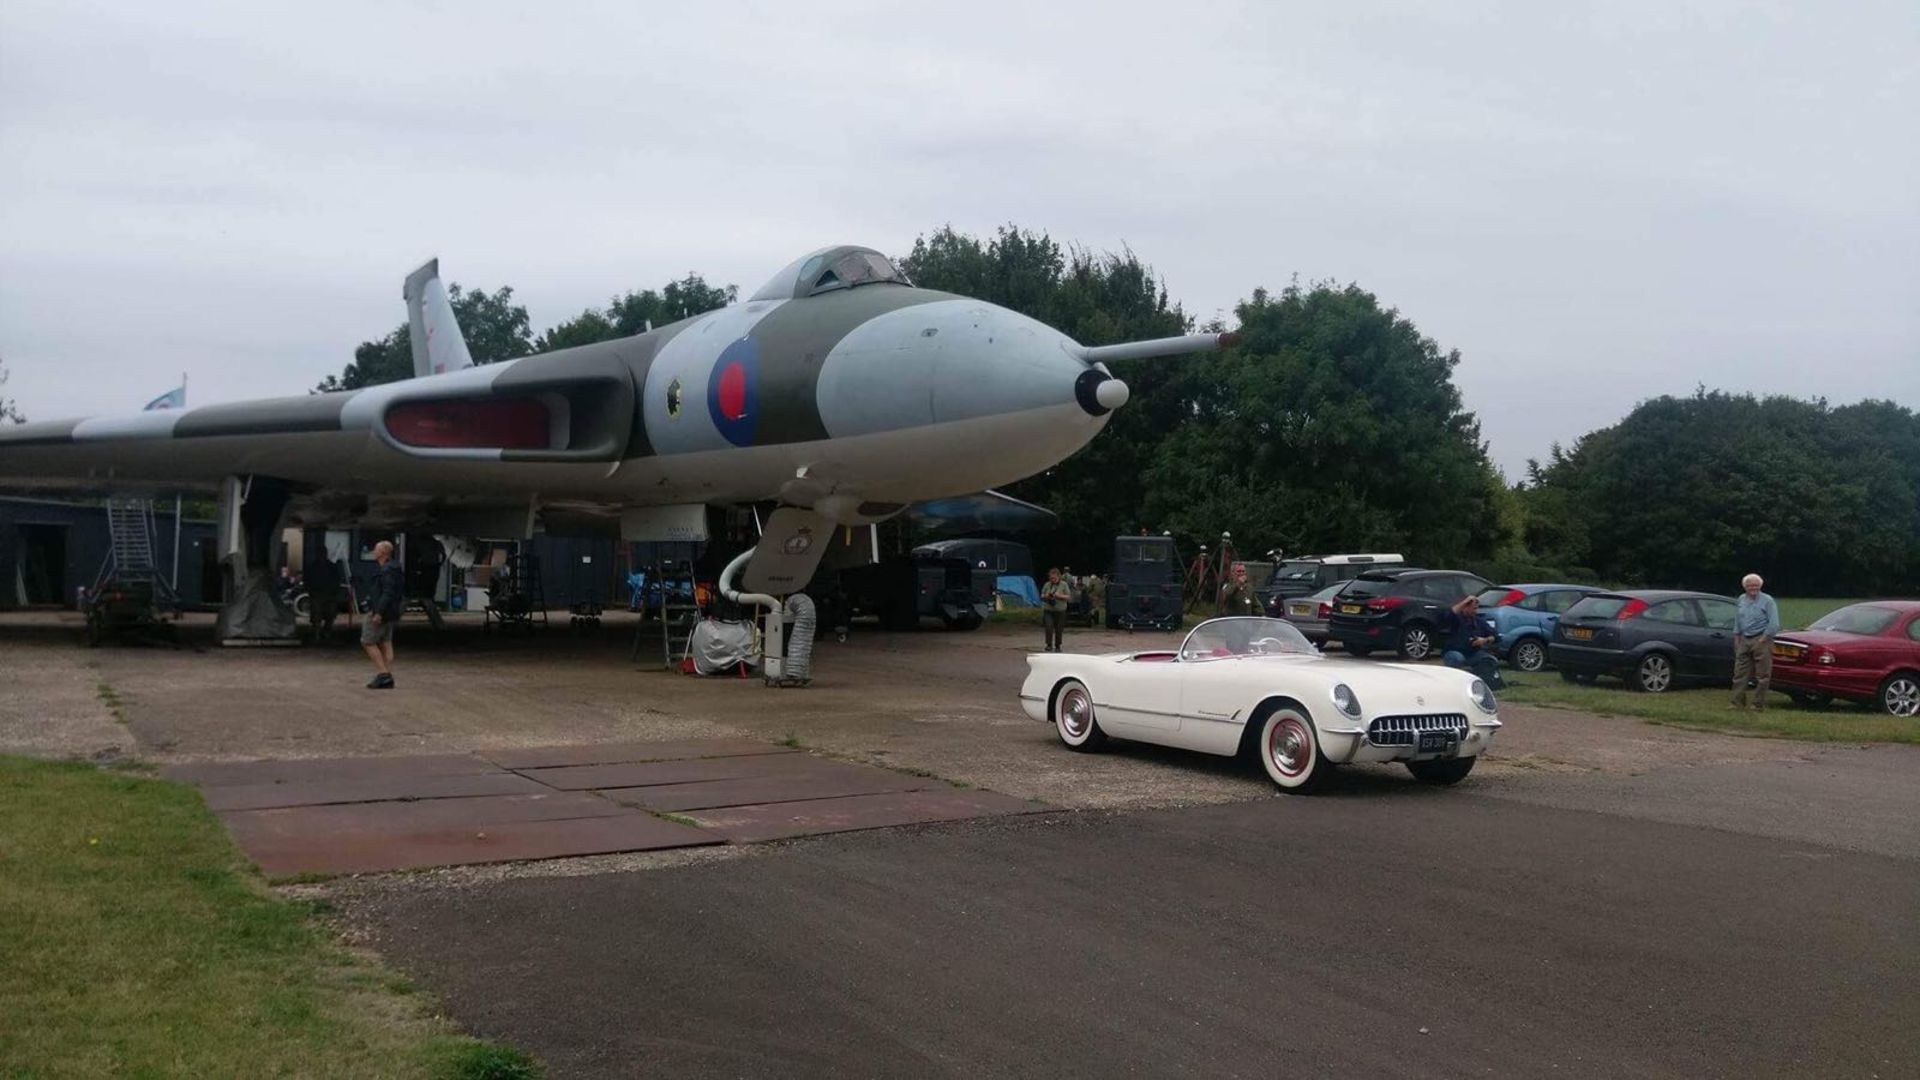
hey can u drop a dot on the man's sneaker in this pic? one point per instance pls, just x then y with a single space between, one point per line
381 682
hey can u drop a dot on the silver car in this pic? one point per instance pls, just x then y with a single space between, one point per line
1308 614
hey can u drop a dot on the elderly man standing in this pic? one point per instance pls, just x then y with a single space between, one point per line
1754 625
385 601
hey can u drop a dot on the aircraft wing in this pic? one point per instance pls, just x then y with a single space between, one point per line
558 436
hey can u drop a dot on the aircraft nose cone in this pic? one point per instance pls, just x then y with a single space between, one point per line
1099 393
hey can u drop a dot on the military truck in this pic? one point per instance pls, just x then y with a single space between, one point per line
902 590
1144 589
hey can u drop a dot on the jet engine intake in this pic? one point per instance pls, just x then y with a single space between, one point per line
523 423
567 419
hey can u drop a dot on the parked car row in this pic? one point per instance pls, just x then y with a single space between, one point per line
1654 639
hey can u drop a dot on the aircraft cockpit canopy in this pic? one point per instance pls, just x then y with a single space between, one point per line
829 269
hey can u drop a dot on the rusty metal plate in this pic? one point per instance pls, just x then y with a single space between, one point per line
309 770
549 757
375 789
371 852
771 789
293 822
649 773
776 821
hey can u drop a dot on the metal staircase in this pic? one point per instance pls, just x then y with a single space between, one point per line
130 563
518 600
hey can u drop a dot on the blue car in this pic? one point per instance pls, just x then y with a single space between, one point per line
1523 619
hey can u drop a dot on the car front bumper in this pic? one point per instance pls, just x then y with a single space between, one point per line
1347 746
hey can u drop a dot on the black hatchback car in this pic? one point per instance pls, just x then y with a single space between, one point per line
1652 638
1398 610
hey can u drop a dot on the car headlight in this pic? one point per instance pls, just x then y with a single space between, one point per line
1482 695
1345 701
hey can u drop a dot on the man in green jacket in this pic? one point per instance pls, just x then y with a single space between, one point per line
1237 596
1055 595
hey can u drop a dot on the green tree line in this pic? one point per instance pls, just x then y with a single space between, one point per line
1697 491
1336 425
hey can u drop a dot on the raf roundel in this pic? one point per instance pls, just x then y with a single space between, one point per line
733 390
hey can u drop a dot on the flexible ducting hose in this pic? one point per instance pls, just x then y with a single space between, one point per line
799 667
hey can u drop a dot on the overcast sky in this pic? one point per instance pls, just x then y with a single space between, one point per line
1594 207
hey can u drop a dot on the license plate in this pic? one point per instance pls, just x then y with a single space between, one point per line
1435 742
1300 609
1352 609
1787 652
1579 633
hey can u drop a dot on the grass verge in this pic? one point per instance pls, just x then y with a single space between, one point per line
1706 708
1799 612
133 942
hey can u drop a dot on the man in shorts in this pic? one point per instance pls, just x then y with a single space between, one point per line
385 600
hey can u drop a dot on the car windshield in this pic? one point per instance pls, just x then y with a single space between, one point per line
1244 637
1296 570
1858 619
1330 591
1495 596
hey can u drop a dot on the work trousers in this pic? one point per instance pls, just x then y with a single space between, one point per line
1480 662
1052 623
1752 658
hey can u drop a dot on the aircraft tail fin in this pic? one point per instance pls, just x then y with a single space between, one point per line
437 343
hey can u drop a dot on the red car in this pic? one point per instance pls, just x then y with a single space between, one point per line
1862 652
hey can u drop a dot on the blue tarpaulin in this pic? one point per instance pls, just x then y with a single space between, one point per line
1021 586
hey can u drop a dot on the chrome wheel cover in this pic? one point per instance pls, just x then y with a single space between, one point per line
1075 713
1289 747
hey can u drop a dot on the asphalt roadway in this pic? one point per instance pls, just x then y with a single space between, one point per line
1602 897
1381 928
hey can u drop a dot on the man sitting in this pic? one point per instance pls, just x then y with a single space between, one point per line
1465 639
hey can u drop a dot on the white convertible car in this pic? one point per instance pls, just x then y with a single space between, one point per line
1244 684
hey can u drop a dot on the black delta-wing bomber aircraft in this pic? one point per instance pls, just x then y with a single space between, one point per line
838 390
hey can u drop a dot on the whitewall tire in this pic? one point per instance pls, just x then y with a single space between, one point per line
1290 750
1073 717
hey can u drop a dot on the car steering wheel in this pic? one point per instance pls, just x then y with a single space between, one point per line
1259 645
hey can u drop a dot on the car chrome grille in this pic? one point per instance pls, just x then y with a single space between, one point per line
1405 730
